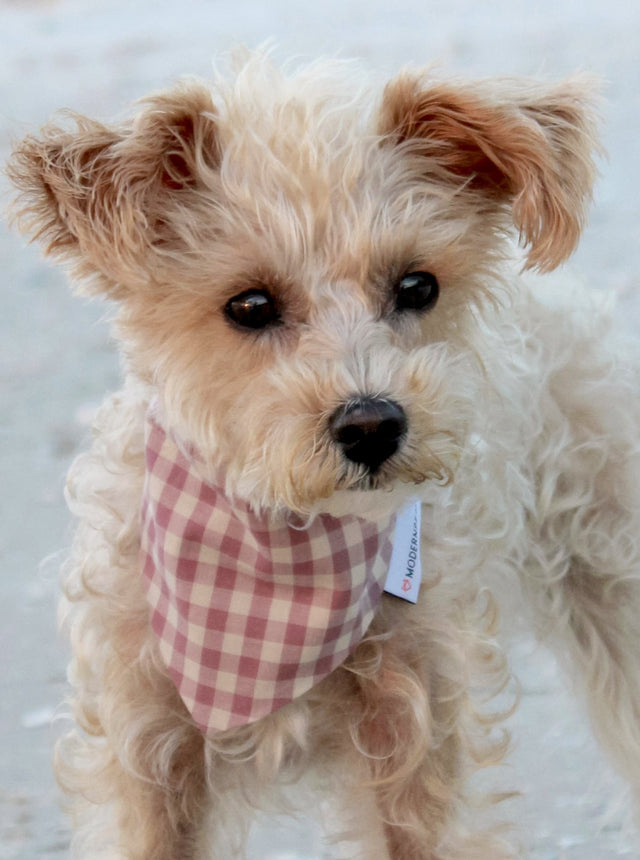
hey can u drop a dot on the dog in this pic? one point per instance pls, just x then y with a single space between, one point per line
333 341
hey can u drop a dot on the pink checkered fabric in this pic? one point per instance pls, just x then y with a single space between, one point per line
249 615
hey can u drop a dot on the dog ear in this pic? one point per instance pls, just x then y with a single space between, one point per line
102 198
524 145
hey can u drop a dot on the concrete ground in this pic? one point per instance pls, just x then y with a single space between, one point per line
57 361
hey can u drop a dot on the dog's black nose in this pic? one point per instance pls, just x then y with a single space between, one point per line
369 430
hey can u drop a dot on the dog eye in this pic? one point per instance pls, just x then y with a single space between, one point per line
254 309
417 291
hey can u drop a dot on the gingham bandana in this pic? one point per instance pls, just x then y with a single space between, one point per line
249 615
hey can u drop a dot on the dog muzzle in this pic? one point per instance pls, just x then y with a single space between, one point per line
251 612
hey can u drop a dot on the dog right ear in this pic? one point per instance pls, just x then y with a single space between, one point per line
103 198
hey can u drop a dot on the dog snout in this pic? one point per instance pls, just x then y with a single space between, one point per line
369 430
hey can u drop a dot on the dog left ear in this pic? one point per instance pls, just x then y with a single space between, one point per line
525 145
109 200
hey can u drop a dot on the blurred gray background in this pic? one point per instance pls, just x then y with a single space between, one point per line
57 360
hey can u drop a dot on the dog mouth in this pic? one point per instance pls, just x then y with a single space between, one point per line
385 478
370 483
374 495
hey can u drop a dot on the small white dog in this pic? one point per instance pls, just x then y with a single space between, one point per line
322 329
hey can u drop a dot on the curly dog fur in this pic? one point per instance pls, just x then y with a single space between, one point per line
522 433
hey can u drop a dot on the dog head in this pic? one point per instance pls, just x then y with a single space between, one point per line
300 263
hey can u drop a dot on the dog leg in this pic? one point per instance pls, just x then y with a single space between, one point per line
420 732
136 766
137 770
583 576
588 610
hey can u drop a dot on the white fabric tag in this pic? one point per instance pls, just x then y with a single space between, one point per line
405 568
